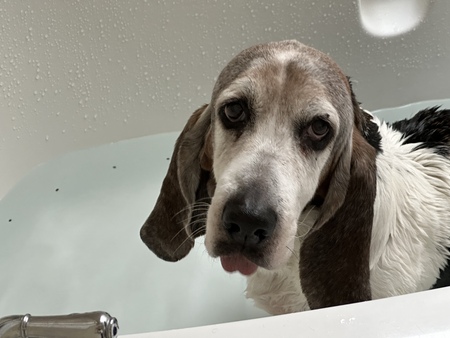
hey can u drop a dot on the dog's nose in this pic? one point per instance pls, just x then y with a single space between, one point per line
248 219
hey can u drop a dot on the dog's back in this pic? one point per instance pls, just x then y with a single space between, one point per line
411 230
431 129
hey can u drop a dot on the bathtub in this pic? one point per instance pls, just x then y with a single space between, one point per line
93 96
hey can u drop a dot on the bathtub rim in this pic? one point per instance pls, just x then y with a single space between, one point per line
421 314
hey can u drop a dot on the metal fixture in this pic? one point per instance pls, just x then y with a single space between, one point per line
76 325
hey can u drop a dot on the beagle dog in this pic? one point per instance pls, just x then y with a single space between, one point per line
295 186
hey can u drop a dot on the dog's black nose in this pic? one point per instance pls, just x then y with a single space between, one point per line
248 219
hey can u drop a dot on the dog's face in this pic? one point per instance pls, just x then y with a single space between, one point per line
274 128
277 134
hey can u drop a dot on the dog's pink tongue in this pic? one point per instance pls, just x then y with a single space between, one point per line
238 263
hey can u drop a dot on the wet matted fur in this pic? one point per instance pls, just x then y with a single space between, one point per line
294 185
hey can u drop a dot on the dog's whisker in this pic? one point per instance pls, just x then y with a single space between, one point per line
303 224
181 244
192 207
306 233
197 220
196 207
197 217
197 231
200 208
187 238
179 212
204 199
293 252
201 221
308 213
178 232
201 218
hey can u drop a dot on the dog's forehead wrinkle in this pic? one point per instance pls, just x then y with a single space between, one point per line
284 83
285 51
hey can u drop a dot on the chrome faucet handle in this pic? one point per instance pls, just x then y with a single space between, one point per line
77 325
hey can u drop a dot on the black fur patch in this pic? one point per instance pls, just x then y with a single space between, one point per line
444 277
372 133
430 127
364 122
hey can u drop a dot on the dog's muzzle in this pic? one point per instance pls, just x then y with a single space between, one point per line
249 221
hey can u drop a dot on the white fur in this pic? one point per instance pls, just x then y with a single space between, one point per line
411 230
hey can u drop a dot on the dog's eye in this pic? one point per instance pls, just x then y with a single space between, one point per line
235 112
319 128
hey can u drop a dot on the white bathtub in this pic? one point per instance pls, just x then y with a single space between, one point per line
82 85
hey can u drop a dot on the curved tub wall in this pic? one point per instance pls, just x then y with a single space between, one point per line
78 74
74 75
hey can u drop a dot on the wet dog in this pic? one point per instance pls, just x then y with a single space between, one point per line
295 186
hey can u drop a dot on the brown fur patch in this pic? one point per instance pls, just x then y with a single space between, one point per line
206 154
334 260
171 227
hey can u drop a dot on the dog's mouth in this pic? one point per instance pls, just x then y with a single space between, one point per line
240 258
238 262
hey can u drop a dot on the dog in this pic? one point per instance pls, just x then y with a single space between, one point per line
298 188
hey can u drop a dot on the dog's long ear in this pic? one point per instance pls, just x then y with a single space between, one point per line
174 222
334 258
335 179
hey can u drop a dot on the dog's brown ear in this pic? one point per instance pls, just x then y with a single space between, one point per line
174 222
336 176
334 184
334 257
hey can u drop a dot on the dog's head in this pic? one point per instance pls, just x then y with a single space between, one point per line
279 133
